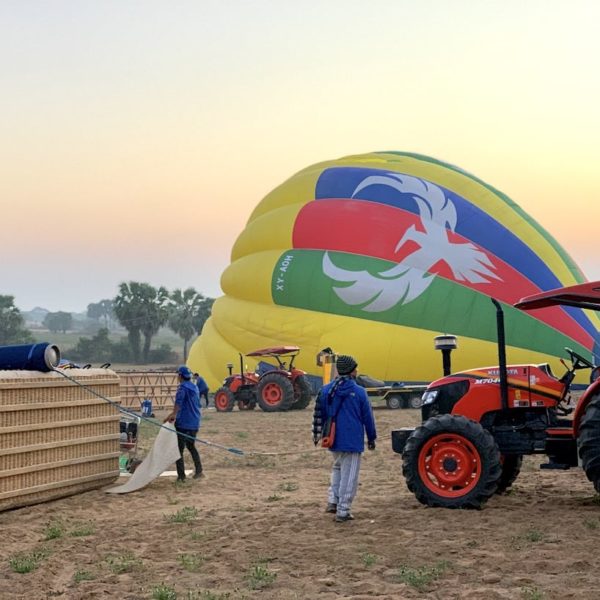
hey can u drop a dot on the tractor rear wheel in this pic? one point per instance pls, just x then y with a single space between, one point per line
588 441
452 462
275 392
511 467
414 401
224 400
302 393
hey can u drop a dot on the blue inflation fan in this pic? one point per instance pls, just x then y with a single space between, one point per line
29 357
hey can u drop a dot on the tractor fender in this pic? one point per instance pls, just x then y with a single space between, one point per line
584 400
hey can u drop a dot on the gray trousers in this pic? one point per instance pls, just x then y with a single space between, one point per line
344 480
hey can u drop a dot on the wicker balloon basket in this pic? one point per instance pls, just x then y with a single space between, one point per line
56 438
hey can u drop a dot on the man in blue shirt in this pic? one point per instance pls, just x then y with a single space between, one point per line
186 414
202 388
347 403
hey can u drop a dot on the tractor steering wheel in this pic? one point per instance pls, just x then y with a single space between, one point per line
578 361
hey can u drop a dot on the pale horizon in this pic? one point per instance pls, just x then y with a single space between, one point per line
138 137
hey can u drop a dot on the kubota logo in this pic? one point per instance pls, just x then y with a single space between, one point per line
407 280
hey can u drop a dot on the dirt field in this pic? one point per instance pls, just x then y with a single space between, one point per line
255 527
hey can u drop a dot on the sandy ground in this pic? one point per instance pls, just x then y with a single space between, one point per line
255 527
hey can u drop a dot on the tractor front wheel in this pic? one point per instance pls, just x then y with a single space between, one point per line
451 462
224 400
275 392
588 441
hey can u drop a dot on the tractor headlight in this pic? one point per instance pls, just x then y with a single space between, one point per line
428 397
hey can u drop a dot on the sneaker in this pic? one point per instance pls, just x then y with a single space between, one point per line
331 508
343 518
199 475
180 480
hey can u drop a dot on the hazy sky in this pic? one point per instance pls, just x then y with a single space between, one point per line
137 137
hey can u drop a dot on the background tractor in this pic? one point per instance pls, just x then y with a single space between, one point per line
396 395
282 388
478 424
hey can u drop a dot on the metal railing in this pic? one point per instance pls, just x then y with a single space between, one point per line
137 386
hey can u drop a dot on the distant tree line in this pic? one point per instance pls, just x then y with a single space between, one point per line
139 308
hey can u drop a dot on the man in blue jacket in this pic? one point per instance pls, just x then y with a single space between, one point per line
202 388
186 414
347 402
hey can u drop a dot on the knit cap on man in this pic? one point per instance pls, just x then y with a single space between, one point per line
345 364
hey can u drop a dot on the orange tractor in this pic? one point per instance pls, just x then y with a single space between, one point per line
282 388
478 424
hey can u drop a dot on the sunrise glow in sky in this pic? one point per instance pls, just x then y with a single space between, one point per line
137 137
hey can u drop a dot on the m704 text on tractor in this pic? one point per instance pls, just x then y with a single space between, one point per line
478 424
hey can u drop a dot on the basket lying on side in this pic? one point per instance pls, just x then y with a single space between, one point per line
56 438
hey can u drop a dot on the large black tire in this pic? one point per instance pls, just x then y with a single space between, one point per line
302 393
394 401
588 441
451 462
415 401
224 399
511 467
275 392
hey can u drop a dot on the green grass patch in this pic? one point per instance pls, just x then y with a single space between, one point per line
421 578
531 593
368 559
532 536
274 498
185 515
54 530
123 563
82 575
83 529
243 435
288 486
260 577
24 562
163 592
191 562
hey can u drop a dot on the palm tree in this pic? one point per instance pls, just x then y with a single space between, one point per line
142 310
188 312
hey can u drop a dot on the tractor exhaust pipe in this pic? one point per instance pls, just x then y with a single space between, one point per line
501 355
242 368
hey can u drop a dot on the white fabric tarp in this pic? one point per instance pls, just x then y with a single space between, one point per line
163 453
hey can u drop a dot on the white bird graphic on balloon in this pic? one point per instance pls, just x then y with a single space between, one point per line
407 280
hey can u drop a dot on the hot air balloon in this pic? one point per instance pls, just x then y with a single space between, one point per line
374 255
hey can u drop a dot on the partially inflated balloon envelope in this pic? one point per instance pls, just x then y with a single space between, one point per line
375 255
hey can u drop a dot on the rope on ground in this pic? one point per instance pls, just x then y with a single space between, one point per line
236 451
